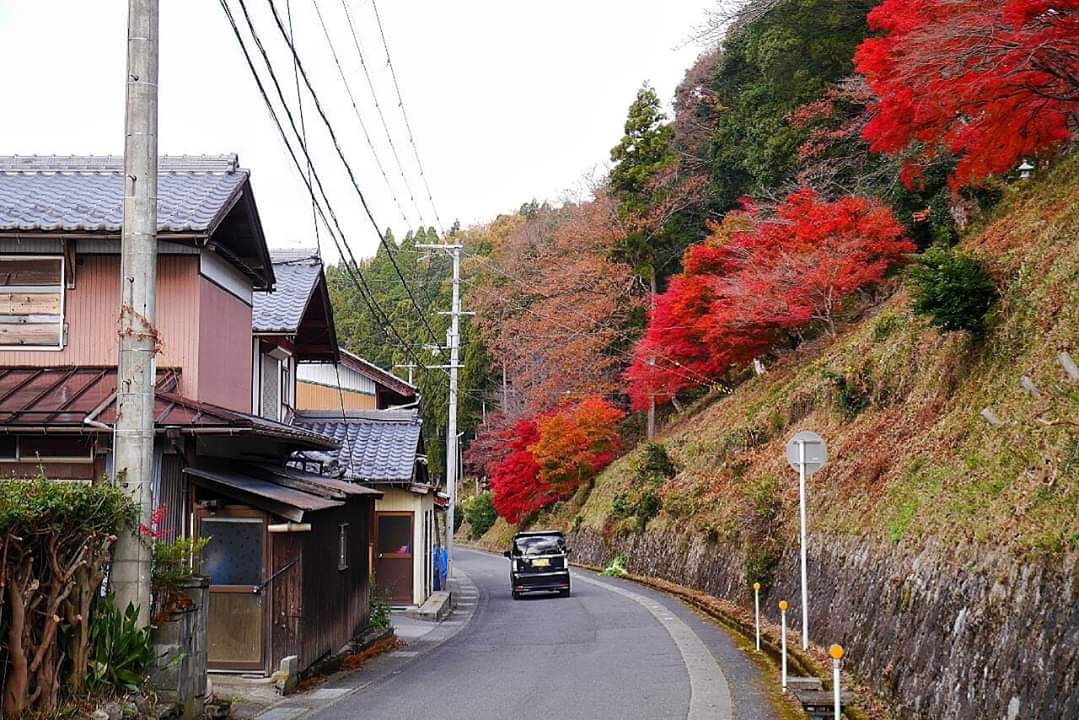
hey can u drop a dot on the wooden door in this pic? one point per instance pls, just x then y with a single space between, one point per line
234 560
394 556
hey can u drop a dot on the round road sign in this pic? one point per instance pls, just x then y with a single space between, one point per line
816 451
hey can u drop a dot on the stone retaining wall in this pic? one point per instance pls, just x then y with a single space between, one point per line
961 632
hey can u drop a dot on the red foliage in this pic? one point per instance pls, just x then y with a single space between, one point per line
754 281
549 458
991 81
576 442
515 481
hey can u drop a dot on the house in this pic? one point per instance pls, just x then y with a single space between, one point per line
288 560
352 383
367 412
383 449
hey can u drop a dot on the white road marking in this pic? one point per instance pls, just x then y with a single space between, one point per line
709 694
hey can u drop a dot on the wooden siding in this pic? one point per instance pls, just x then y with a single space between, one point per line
224 348
310 396
334 606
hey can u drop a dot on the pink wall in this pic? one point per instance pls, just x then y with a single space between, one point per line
224 357
204 331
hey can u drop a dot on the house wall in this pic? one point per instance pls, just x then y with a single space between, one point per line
91 315
224 348
310 396
335 603
422 507
205 330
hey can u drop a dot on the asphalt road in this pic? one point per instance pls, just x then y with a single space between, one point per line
611 650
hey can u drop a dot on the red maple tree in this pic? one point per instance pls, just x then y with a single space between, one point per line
576 442
755 281
990 81
515 483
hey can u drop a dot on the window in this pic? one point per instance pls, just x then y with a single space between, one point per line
31 302
46 449
342 546
271 388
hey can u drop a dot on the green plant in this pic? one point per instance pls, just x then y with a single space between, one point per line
173 567
953 289
851 398
886 325
616 568
479 511
121 651
656 464
378 610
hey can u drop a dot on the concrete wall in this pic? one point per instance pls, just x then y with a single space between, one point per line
948 632
180 643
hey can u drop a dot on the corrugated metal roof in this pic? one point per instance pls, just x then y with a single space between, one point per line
375 447
280 311
74 397
85 193
264 494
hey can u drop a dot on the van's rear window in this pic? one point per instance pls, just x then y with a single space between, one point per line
540 545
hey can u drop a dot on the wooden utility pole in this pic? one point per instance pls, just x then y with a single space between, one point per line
133 439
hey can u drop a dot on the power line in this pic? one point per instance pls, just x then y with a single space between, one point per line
356 110
408 125
341 155
378 107
350 267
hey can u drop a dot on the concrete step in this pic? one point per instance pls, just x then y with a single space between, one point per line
436 608
804 683
820 704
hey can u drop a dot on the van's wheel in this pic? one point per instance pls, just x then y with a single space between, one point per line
563 593
516 595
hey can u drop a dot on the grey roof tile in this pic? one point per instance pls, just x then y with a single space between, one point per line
375 447
297 273
85 193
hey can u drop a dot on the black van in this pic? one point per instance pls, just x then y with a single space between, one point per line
538 563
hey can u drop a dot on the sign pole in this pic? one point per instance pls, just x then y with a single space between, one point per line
783 640
757 612
836 651
802 510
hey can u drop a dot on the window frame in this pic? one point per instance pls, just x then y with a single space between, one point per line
62 287
342 546
37 457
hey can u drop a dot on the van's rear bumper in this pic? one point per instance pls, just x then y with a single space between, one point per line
529 582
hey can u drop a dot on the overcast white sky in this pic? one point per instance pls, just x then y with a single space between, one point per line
509 100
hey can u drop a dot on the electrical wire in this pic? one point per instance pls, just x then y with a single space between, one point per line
341 155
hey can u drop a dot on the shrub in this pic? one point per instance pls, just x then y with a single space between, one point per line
378 610
656 463
55 538
480 513
617 567
953 289
121 651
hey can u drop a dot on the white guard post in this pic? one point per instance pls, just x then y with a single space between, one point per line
783 640
757 611
836 651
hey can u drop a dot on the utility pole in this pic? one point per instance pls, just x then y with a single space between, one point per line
453 344
410 367
133 439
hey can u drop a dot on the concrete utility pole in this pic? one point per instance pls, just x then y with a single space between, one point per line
453 343
133 440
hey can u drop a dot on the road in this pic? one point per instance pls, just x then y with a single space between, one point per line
611 650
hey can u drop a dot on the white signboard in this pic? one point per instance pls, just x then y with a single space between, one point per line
816 451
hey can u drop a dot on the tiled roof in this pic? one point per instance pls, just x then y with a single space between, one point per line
297 273
379 446
85 193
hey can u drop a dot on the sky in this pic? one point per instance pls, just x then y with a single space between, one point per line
507 100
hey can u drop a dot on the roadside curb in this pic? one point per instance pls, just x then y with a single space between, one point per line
383 668
740 621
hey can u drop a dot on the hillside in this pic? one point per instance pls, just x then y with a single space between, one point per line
899 404
917 478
